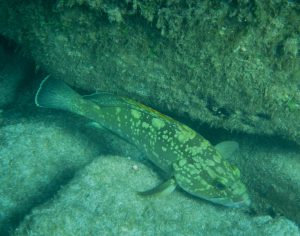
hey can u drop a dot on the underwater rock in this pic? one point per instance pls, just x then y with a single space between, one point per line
230 64
36 158
271 170
13 71
102 199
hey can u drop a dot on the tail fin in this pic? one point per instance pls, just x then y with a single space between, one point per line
56 94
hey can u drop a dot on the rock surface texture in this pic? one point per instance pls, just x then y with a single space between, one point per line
102 198
230 64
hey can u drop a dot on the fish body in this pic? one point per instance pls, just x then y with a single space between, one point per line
188 159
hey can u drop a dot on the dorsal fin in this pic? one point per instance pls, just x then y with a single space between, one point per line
106 99
111 100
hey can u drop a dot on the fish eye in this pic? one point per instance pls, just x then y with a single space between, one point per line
219 185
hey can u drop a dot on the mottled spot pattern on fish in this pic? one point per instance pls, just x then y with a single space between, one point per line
179 151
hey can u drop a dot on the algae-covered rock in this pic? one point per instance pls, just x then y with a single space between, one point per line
102 199
231 64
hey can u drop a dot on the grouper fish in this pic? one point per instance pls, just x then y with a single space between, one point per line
188 160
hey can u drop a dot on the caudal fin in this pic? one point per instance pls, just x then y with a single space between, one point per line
56 94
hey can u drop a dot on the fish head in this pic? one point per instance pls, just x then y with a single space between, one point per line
212 179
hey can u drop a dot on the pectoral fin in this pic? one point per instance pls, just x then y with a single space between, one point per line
227 148
162 189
